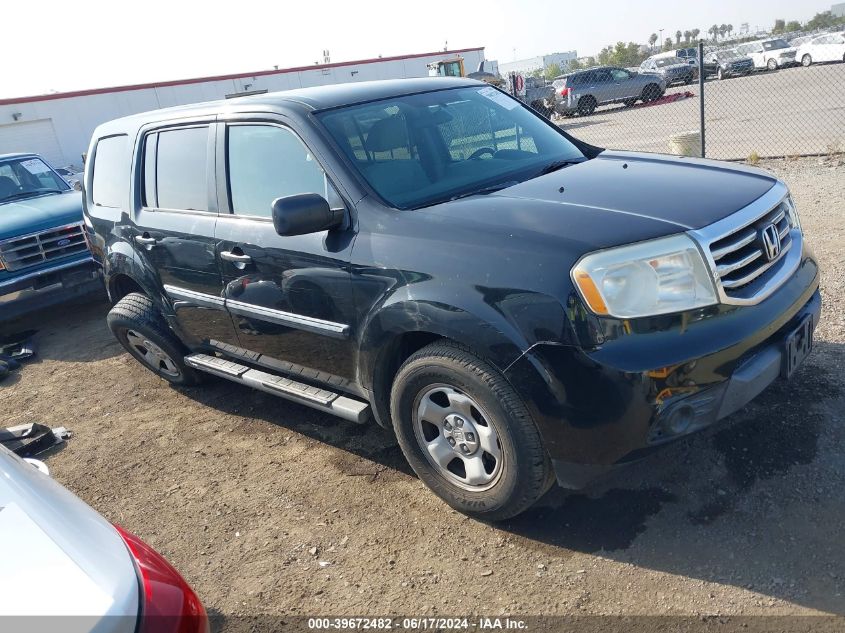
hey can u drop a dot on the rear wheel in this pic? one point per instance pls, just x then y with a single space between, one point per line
467 434
807 60
772 64
586 106
629 102
142 331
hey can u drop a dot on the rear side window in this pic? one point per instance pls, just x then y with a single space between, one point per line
110 185
176 169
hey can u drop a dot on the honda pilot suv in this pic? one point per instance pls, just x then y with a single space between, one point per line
518 306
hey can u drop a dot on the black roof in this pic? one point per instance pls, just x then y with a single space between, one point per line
334 95
315 98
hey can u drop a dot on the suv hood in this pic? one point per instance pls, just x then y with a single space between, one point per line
31 215
615 198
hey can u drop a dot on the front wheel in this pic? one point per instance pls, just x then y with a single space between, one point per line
140 329
467 434
651 93
772 64
807 60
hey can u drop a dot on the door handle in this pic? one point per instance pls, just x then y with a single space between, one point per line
145 239
239 258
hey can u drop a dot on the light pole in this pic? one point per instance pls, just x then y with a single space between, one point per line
660 31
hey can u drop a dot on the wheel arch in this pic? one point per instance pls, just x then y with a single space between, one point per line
396 332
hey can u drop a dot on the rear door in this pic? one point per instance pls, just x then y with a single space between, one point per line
289 296
602 86
174 227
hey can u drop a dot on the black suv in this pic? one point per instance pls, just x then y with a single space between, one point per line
517 305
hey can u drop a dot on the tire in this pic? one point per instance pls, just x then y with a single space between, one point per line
141 330
456 391
651 93
688 80
586 105
772 64
629 102
806 60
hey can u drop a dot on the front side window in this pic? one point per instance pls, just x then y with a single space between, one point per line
775 45
619 74
28 177
176 169
268 162
417 150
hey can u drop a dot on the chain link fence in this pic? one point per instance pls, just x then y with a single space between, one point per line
780 97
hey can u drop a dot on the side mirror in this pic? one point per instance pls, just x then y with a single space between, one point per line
304 213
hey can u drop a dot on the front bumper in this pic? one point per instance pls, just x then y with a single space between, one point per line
39 289
619 402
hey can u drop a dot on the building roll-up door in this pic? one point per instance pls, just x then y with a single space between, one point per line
37 137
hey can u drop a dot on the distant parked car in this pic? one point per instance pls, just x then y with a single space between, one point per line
728 63
71 176
583 91
672 69
829 47
44 256
769 54
61 558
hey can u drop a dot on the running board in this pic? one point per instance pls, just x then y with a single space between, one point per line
342 406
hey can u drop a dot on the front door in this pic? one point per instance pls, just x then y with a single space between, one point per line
289 296
174 229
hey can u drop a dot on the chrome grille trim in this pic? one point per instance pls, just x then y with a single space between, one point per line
732 249
26 251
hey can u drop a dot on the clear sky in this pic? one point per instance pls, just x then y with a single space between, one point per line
60 46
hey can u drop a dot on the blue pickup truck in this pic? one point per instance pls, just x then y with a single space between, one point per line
44 254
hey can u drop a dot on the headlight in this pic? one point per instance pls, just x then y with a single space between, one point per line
792 213
649 278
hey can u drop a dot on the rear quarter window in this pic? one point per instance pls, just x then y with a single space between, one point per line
110 183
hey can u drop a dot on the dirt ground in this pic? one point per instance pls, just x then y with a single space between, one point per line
267 507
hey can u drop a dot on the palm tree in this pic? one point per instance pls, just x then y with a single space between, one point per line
687 36
652 39
730 29
723 29
714 31
678 35
695 33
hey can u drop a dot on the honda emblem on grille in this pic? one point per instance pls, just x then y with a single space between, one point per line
771 241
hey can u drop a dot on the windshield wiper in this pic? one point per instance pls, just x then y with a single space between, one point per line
26 194
485 190
559 164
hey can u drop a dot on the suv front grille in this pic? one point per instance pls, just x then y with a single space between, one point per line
22 252
752 253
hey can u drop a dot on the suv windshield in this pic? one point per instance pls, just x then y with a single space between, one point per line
775 45
421 149
28 176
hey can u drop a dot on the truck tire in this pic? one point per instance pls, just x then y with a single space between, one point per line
141 330
467 434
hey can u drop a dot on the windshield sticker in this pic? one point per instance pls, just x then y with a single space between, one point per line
497 97
35 166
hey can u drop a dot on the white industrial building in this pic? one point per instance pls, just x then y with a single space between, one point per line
59 126
528 66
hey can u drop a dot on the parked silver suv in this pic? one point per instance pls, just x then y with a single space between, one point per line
583 91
